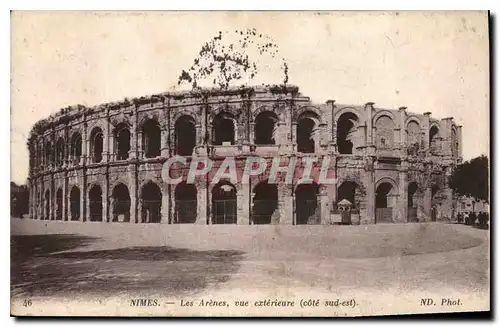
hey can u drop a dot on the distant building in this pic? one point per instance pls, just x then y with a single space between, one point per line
470 204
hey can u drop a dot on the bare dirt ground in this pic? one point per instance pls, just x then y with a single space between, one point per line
98 259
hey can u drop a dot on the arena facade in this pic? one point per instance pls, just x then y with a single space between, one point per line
104 163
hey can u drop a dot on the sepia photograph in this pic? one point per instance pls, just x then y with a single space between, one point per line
249 163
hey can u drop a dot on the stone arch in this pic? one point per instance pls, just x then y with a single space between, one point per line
76 147
385 112
120 203
347 124
186 203
307 204
224 128
95 203
96 144
384 132
413 132
307 132
264 108
190 115
151 138
389 180
74 203
434 138
60 147
265 203
414 119
122 141
351 110
151 201
315 111
266 123
224 203
48 151
185 135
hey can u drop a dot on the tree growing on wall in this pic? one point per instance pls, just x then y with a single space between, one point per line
231 58
471 178
19 199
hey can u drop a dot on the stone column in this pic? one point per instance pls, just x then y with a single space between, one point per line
428 202
368 217
427 123
403 133
286 203
133 193
294 136
251 127
459 132
202 198
369 128
85 145
65 198
165 204
403 193
106 140
324 201
243 204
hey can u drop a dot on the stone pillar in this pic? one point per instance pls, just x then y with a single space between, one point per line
243 204
286 203
427 124
368 217
294 136
202 198
83 202
369 128
133 193
251 131
65 198
165 203
403 194
403 132
459 132
85 145
324 202
134 139
164 140
428 203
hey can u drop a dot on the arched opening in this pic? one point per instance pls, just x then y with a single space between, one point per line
384 137
265 127
74 197
265 204
346 130
76 148
223 129
413 134
47 205
412 203
59 204
434 139
60 152
305 137
347 190
151 203
224 203
384 202
48 154
120 203
307 205
96 144
95 203
186 204
122 142
185 135
151 139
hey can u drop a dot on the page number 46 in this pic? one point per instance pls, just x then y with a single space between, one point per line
27 303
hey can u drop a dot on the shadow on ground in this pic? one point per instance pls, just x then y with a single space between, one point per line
39 268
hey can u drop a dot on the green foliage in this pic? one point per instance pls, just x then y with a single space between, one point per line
471 178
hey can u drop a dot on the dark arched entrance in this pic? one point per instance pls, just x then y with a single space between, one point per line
305 140
186 204
224 203
74 197
223 129
59 204
95 203
412 205
346 127
120 204
96 144
383 211
151 203
307 204
265 204
185 135
151 141
265 125
47 205
122 142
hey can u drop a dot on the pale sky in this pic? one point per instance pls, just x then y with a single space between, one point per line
434 62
